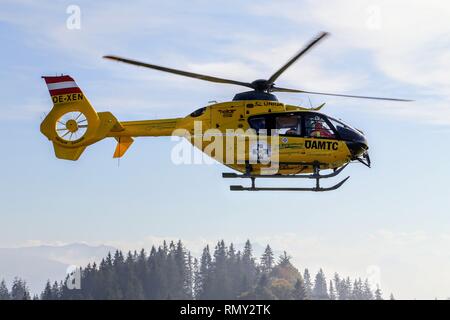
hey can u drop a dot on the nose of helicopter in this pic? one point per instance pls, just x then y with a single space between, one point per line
357 143
357 148
354 138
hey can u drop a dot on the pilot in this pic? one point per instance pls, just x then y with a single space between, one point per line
320 131
292 132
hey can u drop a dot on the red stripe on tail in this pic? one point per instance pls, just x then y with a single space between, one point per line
50 80
57 92
54 79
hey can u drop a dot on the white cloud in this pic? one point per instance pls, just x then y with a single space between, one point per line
410 45
37 243
410 48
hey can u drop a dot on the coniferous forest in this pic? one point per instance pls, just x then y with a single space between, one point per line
170 272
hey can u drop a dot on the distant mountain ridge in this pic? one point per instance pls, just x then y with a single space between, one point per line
36 264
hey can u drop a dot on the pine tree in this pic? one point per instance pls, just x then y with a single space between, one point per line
19 290
233 269
347 288
248 268
141 272
332 292
47 293
308 284
378 294
189 278
338 287
284 259
196 279
299 292
320 291
118 259
367 291
55 291
182 287
109 286
26 294
109 260
357 293
261 291
151 280
205 274
220 284
161 273
4 292
267 260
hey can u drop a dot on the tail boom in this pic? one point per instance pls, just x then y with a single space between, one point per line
147 128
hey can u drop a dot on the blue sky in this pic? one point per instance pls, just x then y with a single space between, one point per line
393 216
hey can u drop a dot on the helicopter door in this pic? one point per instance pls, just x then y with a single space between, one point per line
289 130
260 150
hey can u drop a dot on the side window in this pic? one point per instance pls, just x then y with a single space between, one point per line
258 123
288 125
198 112
317 127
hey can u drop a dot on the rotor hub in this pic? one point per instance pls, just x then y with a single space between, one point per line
262 85
72 125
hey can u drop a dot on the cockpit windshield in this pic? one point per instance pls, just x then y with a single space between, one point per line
347 132
340 123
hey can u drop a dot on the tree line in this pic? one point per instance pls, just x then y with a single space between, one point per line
170 272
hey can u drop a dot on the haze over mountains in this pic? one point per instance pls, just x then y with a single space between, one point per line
37 264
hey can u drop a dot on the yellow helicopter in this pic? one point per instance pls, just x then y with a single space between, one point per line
278 140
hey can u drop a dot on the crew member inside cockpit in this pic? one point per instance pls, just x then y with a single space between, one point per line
316 127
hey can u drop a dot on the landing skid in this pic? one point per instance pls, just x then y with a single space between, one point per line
316 175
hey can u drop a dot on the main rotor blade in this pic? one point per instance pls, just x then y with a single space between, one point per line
179 72
298 55
277 89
